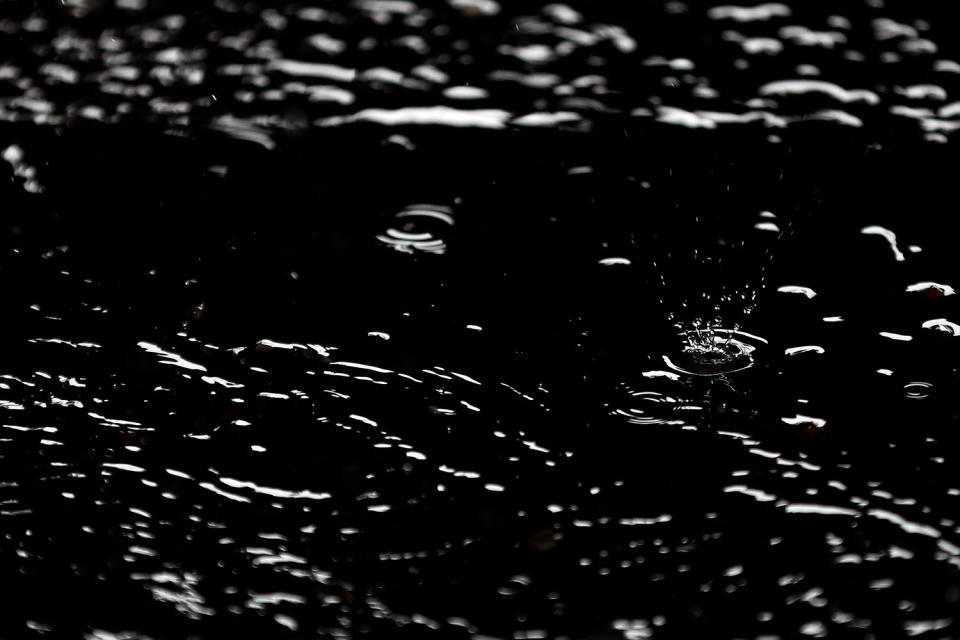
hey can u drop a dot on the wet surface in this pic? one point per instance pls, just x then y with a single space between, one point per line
349 320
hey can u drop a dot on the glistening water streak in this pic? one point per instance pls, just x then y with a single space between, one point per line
348 319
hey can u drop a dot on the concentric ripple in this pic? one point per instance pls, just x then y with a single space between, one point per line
419 228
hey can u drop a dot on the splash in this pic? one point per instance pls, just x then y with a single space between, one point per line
710 351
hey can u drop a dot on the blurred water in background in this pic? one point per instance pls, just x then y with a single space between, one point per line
407 320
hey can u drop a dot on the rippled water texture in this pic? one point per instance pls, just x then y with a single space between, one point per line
417 320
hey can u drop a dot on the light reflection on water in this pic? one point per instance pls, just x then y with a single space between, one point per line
249 388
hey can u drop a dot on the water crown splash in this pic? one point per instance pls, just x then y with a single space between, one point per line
718 243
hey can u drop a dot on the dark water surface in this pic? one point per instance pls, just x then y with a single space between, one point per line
344 320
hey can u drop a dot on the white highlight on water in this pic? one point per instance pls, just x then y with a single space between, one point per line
887 235
835 91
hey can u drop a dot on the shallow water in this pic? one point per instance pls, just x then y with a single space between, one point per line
356 320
